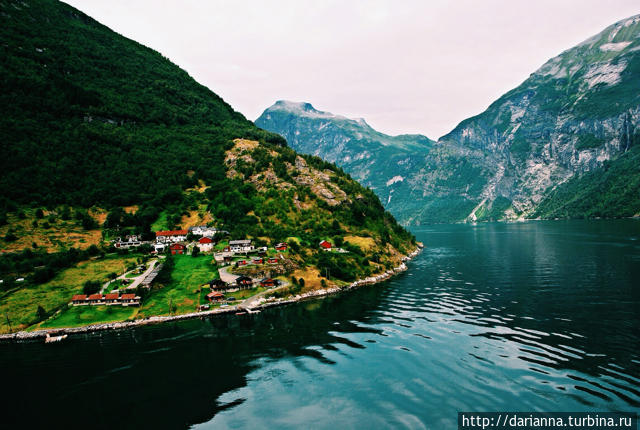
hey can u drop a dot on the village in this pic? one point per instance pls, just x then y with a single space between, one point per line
228 256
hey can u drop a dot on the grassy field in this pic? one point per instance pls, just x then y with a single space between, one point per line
77 316
21 304
243 294
183 292
50 234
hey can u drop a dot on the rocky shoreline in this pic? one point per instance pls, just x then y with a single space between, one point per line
262 304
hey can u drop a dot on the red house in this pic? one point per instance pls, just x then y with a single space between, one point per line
130 300
273 260
244 282
205 240
215 296
79 299
95 299
281 246
111 298
242 263
177 248
257 261
268 282
325 245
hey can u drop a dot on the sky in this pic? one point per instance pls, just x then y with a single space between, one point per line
405 66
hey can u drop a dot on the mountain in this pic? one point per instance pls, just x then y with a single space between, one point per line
562 144
92 122
386 164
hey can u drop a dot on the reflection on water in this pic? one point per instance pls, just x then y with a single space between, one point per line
534 316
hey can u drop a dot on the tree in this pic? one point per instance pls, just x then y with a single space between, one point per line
41 314
91 287
39 213
195 251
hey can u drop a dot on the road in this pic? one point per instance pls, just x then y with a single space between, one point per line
136 280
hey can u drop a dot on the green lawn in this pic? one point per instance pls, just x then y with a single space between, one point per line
77 316
243 294
183 291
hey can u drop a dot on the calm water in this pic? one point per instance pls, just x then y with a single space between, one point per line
535 316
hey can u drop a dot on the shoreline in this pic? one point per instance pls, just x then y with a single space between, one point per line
262 304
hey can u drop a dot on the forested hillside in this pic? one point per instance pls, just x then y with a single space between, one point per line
94 123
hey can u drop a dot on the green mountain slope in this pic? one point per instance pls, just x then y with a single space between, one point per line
90 118
579 111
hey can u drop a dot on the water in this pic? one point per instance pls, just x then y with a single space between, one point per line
534 316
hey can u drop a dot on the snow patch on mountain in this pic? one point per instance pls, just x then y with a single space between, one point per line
617 47
395 179
606 73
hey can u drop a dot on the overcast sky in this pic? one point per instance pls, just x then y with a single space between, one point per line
405 66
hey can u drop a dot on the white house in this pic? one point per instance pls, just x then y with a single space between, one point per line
241 245
171 236
203 230
205 244
131 241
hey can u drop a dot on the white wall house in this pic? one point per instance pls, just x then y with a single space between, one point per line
203 230
171 236
240 245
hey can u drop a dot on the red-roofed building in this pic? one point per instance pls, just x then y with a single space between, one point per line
111 298
273 260
281 246
215 296
177 248
326 245
205 244
96 299
79 299
130 300
171 236
268 282
257 260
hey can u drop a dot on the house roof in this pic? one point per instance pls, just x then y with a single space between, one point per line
278 245
217 282
243 279
95 297
206 240
128 296
111 296
325 244
79 297
265 280
177 246
215 294
240 242
171 233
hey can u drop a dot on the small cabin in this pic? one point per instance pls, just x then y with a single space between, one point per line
273 260
325 245
244 282
79 299
111 299
177 248
217 285
130 300
215 296
96 299
281 246
269 283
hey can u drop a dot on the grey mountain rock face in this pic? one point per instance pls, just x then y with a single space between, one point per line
577 114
